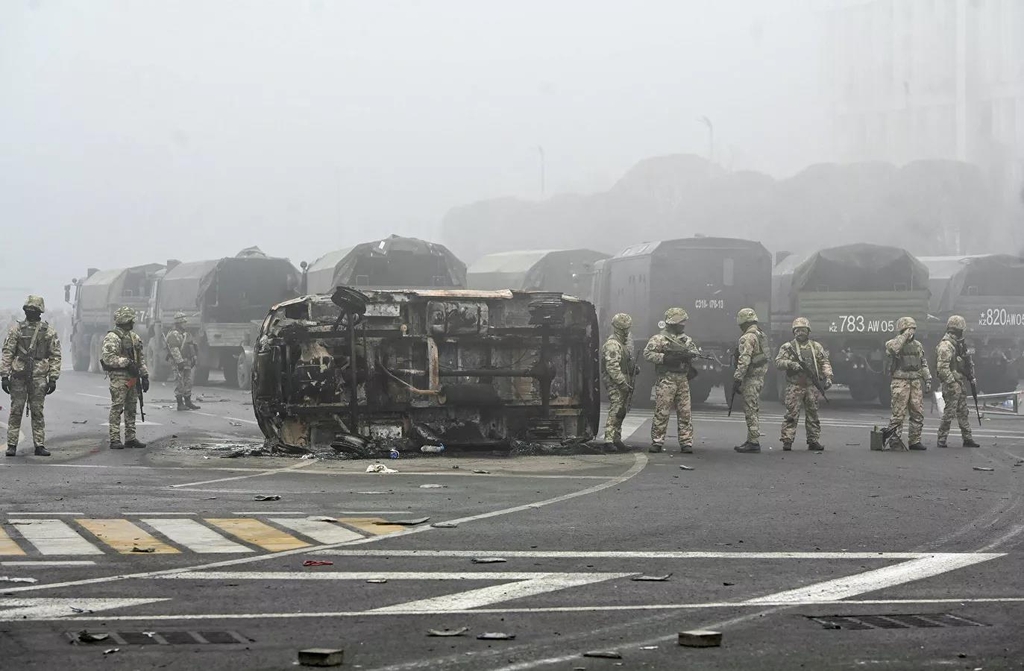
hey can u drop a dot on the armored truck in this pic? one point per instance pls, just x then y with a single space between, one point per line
394 262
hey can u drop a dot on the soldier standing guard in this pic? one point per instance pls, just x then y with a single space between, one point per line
618 372
28 372
125 362
911 379
672 352
954 372
183 352
795 359
748 380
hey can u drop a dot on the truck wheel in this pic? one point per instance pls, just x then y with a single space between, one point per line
158 368
699 391
863 392
245 369
884 394
95 348
79 358
229 364
201 375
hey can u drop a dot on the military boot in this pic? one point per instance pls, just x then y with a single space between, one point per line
940 443
116 445
134 442
787 446
189 405
748 447
620 446
815 447
655 448
917 447
42 451
969 442
12 450
686 449
181 403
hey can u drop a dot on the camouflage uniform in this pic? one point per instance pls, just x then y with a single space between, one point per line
751 366
910 376
800 391
672 388
121 348
617 371
182 349
953 372
40 339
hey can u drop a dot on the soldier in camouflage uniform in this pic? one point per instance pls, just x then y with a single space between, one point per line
618 372
672 353
181 347
124 360
752 356
954 373
30 343
800 390
911 379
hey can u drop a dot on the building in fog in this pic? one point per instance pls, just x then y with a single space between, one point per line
919 79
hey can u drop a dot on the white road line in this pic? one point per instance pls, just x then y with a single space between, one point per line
639 462
54 537
870 581
55 609
105 398
195 536
42 563
610 554
275 512
263 473
20 514
154 514
146 423
321 532
233 419
368 575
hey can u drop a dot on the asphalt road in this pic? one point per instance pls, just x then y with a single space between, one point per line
166 553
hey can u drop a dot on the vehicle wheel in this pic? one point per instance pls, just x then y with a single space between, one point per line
229 364
244 371
79 358
699 391
158 368
863 393
95 348
202 375
997 381
884 395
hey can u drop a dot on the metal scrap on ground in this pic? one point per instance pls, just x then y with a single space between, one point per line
445 525
271 497
496 636
603 654
447 632
651 578
488 560
403 523
322 657
699 638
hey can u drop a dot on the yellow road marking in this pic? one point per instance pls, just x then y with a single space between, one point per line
258 533
8 546
123 536
368 524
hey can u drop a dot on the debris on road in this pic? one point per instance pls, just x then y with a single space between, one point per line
488 560
447 632
432 486
379 468
651 578
317 562
269 497
984 468
603 654
685 467
496 636
79 610
403 523
648 647
445 525
85 637
480 471
700 638
321 518
136 548
322 657
5 578
79 421
728 584
377 581
235 423
111 651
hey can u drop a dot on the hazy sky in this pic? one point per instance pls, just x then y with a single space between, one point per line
134 131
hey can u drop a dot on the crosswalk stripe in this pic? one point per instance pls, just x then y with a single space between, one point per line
8 546
318 530
195 536
123 536
257 533
54 537
371 525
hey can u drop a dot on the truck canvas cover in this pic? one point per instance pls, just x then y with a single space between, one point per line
229 289
114 287
861 267
393 262
567 270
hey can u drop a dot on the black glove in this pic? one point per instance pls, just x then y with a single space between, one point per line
132 369
145 384
51 386
737 386
5 383
828 383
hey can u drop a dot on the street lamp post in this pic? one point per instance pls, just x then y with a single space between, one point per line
711 137
540 150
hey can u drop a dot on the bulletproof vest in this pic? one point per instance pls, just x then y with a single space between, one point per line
26 350
760 356
625 362
127 348
683 367
957 363
911 358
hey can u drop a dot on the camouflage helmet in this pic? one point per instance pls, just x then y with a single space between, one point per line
676 316
801 323
124 315
904 323
746 316
956 322
180 318
622 322
35 302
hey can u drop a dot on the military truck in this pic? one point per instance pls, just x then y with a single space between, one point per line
224 300
394 262
987 291
95 298
853 295
711 278
368 370
570 271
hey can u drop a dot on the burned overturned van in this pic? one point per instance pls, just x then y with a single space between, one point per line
366 371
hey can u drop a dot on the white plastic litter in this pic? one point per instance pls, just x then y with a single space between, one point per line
379 468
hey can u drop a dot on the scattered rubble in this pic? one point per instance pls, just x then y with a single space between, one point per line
447 632
488 560
379 468
4 578
700 638
403 523
445 525
136 548
496 636
266 497
322 657
433 486
984 468
377 581
317 562
651 578
85 637
603 654
685 467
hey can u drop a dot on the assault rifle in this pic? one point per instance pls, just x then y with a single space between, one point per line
30 362
969 370
811 375
136 380
732 378
634 374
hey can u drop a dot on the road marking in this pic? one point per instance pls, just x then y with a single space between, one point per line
12 610
54 537
140 514
321 532
20 514
370 575
233 419
255 532
146 423
84 562
372 526
123 536
888 576
262 473
8 546
639 462
276 512
82 393
195 536
558 554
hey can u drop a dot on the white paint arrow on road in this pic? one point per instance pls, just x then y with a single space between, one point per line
12 610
